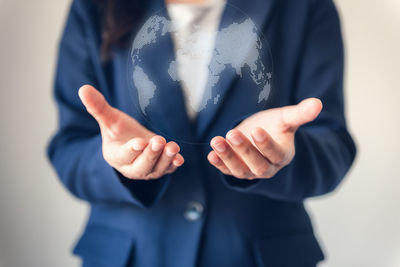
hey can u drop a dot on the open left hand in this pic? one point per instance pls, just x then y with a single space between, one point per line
263 143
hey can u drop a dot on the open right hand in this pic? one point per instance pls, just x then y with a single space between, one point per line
127 146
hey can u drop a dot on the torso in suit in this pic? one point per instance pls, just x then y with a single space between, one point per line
197 216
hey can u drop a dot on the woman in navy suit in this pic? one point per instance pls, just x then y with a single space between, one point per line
235 198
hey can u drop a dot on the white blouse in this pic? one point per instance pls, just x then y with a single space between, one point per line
195 27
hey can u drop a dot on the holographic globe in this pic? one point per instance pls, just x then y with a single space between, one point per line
213 60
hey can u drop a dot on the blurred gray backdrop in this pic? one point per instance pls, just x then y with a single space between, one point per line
359 224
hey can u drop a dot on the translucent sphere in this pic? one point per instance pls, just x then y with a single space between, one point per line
184 70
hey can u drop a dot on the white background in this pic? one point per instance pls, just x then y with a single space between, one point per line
359 224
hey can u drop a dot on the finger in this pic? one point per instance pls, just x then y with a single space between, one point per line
267 146
97 106
236 166
304 112
176 162
218 163
171 169
170 151
126 153
144 164
255 161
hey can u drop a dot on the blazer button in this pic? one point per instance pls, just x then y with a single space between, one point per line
194 211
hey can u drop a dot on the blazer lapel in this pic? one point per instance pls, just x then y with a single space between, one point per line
259 12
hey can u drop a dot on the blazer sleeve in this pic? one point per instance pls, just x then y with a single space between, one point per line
324 148
76 149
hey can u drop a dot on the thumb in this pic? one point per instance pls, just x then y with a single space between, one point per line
302 113
97 106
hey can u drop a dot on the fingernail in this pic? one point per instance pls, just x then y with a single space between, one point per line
137 146
214 159
220 147
176 163
235 139
169 153
156 146
259 136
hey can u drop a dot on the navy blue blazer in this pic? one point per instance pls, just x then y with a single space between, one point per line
197 216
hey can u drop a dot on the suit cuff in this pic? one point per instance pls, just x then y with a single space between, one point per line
146 192
243 185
